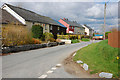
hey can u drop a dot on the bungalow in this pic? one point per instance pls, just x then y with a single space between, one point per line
28 18
88 30
72 26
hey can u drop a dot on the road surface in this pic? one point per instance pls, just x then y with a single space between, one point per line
38 63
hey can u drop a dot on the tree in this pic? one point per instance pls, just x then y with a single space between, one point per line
37 31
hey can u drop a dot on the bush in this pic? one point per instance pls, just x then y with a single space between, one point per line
51 40
73 37
37 31
14 35
85 39
106 34
69 37
75 41
48 37
36 41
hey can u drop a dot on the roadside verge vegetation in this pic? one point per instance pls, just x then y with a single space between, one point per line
85 39
75 41
100 57
15 35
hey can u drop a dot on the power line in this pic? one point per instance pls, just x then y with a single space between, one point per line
107 2
110 13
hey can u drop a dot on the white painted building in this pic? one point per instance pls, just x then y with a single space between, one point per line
88 30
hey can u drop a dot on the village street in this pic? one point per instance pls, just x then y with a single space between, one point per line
35 63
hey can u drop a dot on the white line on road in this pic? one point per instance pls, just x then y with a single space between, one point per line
54 68
58 65
74 54
43 76
49 72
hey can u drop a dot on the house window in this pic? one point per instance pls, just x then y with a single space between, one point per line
58 28
51 27
45 27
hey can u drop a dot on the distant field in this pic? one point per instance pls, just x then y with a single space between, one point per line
100 57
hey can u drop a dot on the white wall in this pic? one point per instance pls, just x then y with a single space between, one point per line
86 30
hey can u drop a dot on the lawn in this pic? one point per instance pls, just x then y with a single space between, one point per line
100 57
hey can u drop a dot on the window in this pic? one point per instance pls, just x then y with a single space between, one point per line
58 28
51 27
45 27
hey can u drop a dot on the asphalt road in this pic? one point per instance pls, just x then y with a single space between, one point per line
36 63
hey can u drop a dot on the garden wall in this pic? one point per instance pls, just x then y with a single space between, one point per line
114 39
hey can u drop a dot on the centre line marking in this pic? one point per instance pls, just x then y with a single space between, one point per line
58 65
54 68
49 72
43 76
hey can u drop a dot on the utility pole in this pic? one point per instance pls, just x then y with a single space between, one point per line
104 19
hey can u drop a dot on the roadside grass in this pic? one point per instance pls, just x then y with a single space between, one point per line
85 39
100 57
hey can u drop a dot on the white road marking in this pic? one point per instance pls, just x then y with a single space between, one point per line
49 72
43 76
54 68
74 54
58 65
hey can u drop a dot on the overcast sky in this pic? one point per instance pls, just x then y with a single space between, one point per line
90 13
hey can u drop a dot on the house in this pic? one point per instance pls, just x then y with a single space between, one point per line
88 30
72 26
13 14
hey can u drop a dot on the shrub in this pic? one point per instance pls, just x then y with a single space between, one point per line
85 39
73 37
51 40
47 36
13 35
36 41
106 34
37 31
75 41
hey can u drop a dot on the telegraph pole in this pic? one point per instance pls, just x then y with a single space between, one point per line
104 19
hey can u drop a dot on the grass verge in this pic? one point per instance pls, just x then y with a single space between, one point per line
75 41
100 57
85 39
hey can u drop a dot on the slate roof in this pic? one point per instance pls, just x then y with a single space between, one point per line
32 16
60 24
88 27
71 23
6 17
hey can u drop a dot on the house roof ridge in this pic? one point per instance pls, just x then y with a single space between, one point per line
29 15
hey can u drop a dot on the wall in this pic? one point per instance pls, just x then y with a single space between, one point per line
79 30
91 32
113 39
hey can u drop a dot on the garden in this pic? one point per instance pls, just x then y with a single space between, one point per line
19 38
74 38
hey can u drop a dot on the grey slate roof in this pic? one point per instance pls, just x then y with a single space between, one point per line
6 17
32 16
71 23
88 27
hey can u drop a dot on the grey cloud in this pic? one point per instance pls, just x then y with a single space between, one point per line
83 12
